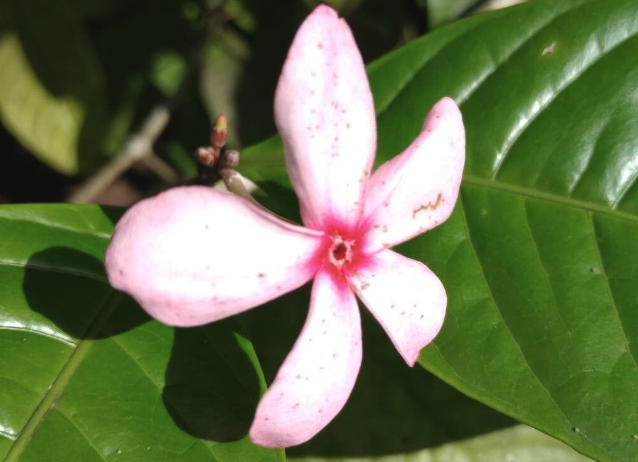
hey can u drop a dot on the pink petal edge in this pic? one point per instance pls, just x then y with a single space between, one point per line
317 377
325 115
417 190
193 255
406 298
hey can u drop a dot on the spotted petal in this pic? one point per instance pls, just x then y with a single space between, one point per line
417 190
317 377
193 255
405 297
325 115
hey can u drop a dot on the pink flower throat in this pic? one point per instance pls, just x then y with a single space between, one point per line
340 251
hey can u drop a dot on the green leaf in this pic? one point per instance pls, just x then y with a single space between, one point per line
85 374
517 444
540 258
52 91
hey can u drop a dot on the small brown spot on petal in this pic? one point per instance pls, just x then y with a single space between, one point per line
262 275
364 286
296 405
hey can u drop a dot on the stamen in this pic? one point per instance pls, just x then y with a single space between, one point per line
340 251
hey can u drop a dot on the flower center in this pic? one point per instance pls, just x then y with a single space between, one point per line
340 251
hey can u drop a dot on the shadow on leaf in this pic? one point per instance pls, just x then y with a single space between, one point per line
211 387
68 287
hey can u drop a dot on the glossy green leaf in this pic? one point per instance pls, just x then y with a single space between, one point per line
517 444
540 258
85 375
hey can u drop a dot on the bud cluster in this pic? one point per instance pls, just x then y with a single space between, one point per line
214 164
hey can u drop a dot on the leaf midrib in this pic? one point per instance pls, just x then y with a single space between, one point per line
546 196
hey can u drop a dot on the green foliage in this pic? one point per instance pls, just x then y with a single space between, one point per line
539 261
79 75
52 86
539 258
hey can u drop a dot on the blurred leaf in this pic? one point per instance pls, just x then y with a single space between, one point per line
540 257
79 80
443 11
52 88
167 72
85 374
518 444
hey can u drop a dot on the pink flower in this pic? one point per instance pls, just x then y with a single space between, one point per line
193 255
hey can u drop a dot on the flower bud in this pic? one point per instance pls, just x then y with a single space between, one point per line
219 133
207 156
229 159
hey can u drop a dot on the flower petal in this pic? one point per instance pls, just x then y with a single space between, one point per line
406 297
193 255
317 377
417 190
325 115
